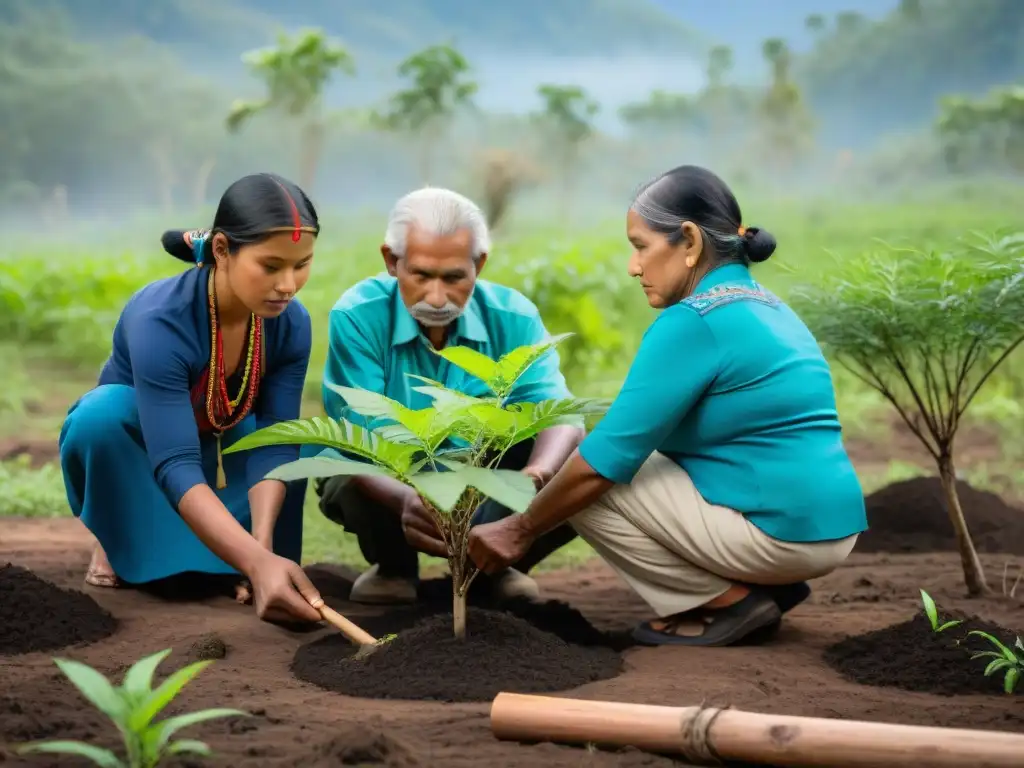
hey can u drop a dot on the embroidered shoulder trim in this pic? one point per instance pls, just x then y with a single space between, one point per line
721 295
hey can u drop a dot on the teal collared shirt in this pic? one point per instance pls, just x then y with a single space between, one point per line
732 386
374 342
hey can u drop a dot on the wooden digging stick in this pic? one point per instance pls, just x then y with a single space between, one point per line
710 736
353 632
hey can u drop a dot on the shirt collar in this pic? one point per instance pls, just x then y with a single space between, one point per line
727 273
468 327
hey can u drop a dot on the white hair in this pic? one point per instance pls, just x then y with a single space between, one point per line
439 212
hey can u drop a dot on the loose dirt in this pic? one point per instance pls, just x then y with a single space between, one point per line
297 724
36 615
911 516
911 656
501 652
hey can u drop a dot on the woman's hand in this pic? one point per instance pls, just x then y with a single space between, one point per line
495 546
282 591
420 529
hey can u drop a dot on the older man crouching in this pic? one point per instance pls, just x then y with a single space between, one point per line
382 329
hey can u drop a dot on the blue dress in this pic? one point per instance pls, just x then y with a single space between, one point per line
133 446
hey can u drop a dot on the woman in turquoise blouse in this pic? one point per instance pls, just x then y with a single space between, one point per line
198 361
717 484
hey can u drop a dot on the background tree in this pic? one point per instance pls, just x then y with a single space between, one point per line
295 74
787 121
815 23
911 10
567 122
983 133
440 87
926 329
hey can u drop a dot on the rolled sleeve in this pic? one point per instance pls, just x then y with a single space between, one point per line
160 375
677 360
280 398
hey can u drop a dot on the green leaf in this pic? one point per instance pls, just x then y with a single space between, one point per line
930 610
341 435
367 403
101 757
323 466
500 376
949 625
474 363
166 729
996 665
96 688
163 695
189 747
1011 679
514 364
442 489
1006 652
507 487
138 680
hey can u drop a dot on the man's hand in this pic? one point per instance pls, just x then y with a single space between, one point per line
540 475
495 546
420 529
282 591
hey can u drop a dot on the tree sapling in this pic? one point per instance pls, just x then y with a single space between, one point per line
448 452
926 329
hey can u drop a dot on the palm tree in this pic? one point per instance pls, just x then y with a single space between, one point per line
295 74
440 87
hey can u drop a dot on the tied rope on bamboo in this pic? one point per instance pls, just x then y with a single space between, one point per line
222 412
695 728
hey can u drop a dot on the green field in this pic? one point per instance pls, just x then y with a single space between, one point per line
58 304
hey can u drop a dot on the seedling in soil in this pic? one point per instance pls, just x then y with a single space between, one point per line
926 329
132 707
1003 658
933 614
448 452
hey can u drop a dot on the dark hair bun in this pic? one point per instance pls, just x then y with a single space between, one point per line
759 244
180 243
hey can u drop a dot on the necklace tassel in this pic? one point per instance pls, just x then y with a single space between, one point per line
222 480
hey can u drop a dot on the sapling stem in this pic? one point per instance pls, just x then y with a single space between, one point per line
974 573
458 611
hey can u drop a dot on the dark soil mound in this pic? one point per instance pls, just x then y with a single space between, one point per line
501 652
911 516
36 615
913 657
209 647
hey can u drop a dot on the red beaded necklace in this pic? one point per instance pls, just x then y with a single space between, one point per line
222 412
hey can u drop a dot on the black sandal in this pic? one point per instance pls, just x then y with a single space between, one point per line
722 626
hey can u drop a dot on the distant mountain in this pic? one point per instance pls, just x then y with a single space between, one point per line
883 75
551 27
745 24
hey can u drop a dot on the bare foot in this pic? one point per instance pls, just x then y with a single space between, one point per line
243 592
100 572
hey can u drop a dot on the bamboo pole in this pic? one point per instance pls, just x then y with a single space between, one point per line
352 631
710 736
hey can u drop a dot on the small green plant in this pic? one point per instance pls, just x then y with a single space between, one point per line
132 707
1003 659
448 452
926 329
933 614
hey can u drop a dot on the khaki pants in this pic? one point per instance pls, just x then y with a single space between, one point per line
678 552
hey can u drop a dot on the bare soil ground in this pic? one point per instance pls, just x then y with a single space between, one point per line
297 724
